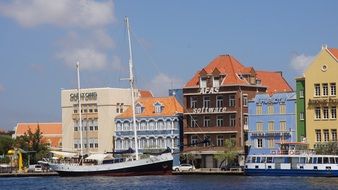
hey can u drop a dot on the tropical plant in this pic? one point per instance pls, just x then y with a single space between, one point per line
229 155
330 148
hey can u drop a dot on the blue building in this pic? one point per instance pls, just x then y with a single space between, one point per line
271 120
158 122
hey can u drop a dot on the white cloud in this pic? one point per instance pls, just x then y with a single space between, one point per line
300 62
161 83
65 13
89 58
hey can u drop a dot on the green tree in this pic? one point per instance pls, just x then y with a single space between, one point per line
229 155
6 143
33 145
330 148
188 158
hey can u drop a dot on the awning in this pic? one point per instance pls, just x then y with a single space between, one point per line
64 154
99 157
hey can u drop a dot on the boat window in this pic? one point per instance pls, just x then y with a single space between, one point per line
328 167
336 158
253 159
315 167
332 160
269 160
302 160
258 159
326 160
314 160
320 160
256 166
310 160
269 167
248 160
263 159
301 167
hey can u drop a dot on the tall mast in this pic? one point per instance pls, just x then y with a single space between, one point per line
79 103
131 82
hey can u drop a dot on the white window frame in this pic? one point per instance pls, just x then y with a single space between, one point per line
219 101
325 87
333 89
220 120
206 101
317 113
193 102
232 100
333 112
203 82
317 90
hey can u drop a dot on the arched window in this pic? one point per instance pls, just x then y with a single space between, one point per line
168 142
168 124
125 126
160 125
143 125
118 126
151 125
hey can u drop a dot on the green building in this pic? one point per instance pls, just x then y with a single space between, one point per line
301 124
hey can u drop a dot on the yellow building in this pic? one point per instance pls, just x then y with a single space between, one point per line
321 78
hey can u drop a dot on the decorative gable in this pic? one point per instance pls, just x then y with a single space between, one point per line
138 108
158 107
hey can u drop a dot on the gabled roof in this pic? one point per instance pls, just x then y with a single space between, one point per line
45 128
334 52
226 65
145 93
171 107
274 81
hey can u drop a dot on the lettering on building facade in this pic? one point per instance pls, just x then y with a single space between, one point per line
209 110
323 101
86 96
211 90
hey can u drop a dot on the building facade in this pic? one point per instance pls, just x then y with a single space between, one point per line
159 125
216 106
51 132
321 97
301 116
99 108
272 119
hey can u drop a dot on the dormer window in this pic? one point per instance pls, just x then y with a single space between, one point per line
158 107
203 82
216 81
138 108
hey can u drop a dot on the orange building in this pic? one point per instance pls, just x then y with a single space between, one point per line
51 132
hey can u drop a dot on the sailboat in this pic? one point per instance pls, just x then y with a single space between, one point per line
133 166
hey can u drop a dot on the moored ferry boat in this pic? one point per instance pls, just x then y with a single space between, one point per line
292 162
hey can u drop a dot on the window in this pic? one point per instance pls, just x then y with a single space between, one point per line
193 102
317 89
271 126
333 112
245 101
318 135
232 100
259 126
203 82
317 113
206 121
193 122
245 120
220 121
326 135
325 113
75 129
333 89
138 109
216 82
220 140
96 145
325 89
208 140
282 125
206 101
334 134
232 120
282 108
193 140
259 143
271 142
301 94
219 101
301 115
270 109
259 110
96 128
158 108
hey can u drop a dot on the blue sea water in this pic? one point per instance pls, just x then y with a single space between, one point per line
169 182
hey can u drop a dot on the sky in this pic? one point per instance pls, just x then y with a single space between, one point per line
41 40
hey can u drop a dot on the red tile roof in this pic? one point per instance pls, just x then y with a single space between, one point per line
274 81
51 132
233 69
170 107
145 93
226 65
334 52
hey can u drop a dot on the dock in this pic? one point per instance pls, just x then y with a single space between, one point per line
210 171
29 174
